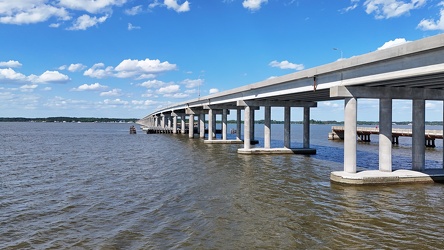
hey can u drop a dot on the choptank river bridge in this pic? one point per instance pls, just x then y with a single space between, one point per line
412 71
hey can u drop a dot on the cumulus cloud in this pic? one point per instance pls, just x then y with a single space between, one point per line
10 64
169 89
28 12
286 65
138 69
11 76
85 21
253 4
92 87
95 6
73 67
50 77
172 4
134 10
113 92
384 9
99 71
28 87
152 84
130 68
214 91
115 102
393 43
431 24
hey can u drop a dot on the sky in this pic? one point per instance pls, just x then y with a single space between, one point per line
127 58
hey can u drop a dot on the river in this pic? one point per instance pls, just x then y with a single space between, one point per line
95 186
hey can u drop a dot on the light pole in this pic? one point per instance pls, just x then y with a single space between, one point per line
339 50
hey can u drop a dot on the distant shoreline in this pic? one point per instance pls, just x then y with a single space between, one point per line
69 119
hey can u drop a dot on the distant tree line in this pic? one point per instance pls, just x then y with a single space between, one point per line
66 119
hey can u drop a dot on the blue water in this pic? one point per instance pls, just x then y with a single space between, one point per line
95 186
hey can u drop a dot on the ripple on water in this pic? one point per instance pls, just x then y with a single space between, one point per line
94 186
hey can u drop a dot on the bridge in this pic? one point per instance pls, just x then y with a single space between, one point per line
412 71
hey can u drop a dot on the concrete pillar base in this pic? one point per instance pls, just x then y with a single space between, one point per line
255 151
370 177
223 142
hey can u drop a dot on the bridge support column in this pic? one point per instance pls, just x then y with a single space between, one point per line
247 126
182 124
213 124
252 123
224 124
202 126
287 127
169 121
174 124
267 127
350 117
418 138
210 124
306 127
238 124
162 121
385 135
191 126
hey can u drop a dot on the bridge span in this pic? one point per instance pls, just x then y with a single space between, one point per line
412 71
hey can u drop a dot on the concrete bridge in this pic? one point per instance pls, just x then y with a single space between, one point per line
413 71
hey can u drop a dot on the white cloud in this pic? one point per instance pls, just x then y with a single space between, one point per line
129 68
98 70
10 64
113 92
152 84
76 67
430 24
92 87
253 4
192 83
27 12
85 21
391 8
177 95
11 76
28 87
50 77
115 102
172 4
393 43
354 4
90 6
286 65
169 89
132 27
214 91
134 10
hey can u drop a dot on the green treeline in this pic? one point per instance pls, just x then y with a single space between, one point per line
66 119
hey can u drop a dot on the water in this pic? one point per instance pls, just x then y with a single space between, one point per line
95 186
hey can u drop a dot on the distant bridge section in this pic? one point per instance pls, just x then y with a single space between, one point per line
363 133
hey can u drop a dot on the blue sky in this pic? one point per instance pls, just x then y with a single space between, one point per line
126 58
